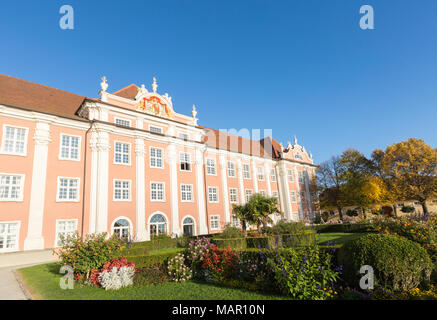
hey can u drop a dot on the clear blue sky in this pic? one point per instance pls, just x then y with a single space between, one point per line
299 67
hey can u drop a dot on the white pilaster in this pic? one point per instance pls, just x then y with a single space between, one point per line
242 192
308 194
254 176
267 173
141 233
203 229
223 171
34 239
174 194
285 192
298 197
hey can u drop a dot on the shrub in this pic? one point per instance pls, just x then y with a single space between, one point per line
252 268
303 273
160 242
260 242
230 232
221 264
236 243
151 275
284 227
116 278
151 259
422 232
177 270
303 239
91 252
398 263
407 209
345 227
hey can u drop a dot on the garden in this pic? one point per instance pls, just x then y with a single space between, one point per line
288 260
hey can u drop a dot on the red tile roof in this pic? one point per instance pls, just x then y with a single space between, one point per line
128 92
30 95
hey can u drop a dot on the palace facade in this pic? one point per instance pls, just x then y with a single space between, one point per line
127 163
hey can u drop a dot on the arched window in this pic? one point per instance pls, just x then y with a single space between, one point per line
158 224
121 228
188 226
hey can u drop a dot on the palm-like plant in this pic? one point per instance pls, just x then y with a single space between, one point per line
262 207
244 214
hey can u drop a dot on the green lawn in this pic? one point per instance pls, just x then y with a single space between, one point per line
338 237
43 283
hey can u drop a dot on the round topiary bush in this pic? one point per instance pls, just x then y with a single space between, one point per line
398 263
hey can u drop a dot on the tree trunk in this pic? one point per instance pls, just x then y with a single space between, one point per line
363 213
340 214
244 227
425 208
395 210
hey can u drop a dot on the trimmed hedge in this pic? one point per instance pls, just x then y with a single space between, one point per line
345 227
237 244
161 243
150 259
260 242
398 263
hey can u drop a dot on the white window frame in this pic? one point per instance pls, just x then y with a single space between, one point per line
77 193
191 193
163 191
150 158
290 177
231 168
216 219
57 232
275 194
260 173
21 195
246 174
123 119
293 195
61 146
121 190
263 192
17 243
122 218
26 134
245 194
215 167
129 153
156 127
189 161
216 192
235 195
300 176
273 175
180 134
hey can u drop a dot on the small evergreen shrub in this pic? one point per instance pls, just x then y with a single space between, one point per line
284 227
147 260
236 243
398 263
151 275
230 232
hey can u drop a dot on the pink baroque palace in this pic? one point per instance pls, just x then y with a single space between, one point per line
128 164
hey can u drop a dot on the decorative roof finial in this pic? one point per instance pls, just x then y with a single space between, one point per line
104 84
282 146
154 85
311 155
295 140
289 146
194 112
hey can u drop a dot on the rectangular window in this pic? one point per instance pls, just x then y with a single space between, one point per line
215 222
212 194
14 140
233 195
235 221
68 189
293 196
157 191
300 175
248 195
246 171
64 228
290 175
156 158
185 162
260 173
11 187
210 167
275 194
155 129
123 122
69 147
263 192
231 170
184 136
122 190
122 153
186 192
9 236
273 175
